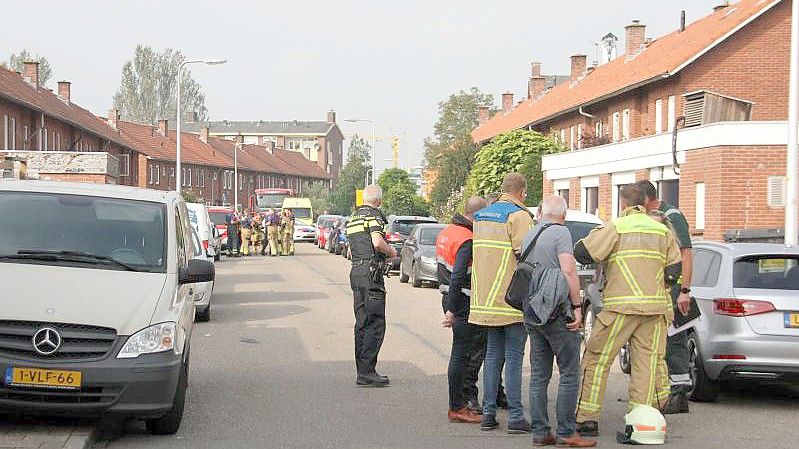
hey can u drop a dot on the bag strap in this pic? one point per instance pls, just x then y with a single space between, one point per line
535 240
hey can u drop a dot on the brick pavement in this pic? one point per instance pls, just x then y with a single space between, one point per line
37 434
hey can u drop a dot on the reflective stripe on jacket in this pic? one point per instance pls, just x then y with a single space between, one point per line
499 231
637 249
448 242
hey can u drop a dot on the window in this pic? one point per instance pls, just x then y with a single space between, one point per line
58 141
579 136
773 272
172 172
571 138
625 125
669 191
5 132
615 125
251 140
564 193
52 140
13 133
124 165
658 116
25 136
157 175
705 272
45 139
591 199
672 112
294 144
183 176
562 136
700 205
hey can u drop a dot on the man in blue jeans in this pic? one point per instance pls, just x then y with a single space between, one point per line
553 336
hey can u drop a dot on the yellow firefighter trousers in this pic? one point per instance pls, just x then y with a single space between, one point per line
647 337
273 233
257 239
245 241
288 241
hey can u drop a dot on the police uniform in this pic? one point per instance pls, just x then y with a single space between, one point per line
368 287
642 255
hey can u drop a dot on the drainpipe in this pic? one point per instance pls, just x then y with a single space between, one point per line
675 165
584 114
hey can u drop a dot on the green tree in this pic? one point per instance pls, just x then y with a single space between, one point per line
351 178
148 90
319 193
514 151
450 151
17 60
394 176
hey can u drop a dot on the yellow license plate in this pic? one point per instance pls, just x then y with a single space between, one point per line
43 378
791 320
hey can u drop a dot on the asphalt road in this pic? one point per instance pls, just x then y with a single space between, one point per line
274 369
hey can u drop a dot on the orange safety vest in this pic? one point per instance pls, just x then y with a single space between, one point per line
448 242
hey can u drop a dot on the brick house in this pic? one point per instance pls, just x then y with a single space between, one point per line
321 142
720 82
34 118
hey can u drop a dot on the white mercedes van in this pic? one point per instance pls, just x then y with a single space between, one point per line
96 301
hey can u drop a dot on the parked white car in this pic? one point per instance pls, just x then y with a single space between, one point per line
203 291
97 301
206 230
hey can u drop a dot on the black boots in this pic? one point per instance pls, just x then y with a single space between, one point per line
678 403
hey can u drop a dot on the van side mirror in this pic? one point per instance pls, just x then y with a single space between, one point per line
198 270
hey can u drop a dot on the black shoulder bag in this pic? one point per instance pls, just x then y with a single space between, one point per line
519 288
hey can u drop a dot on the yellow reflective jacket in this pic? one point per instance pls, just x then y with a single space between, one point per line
637 251
499 230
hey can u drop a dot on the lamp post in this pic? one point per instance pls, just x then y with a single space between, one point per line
355 120
792 159
236 176
179 118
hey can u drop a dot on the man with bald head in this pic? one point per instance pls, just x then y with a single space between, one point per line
454 256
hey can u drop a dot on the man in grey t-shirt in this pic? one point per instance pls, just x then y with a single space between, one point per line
557 339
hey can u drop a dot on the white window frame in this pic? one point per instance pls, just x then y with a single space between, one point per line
13 133
616 126
616 180
598 129
25 131
701 194
672 113
45 139
625 125
563 136
658 116
571 138
580 136
124 164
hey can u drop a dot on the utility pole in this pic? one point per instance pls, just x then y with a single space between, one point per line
792 159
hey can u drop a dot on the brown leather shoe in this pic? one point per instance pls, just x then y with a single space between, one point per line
548 440
463 415
575 441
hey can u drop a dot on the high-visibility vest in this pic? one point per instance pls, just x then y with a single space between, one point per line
448 242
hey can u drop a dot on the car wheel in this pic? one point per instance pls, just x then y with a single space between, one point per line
402 276
415 275
705 389
625 360
170 423
204 316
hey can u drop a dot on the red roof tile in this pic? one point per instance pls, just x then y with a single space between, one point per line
662 58
17 90
150 142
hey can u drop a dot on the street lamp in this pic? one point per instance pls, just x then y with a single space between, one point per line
355 120
180 70
236 176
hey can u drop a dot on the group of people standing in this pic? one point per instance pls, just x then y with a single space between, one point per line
646 260
251 233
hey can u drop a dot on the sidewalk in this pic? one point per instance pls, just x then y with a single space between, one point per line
25 433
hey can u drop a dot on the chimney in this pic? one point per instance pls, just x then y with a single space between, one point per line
682 21
536 86
636 36
331 116
113 117
30 73
63 90
163 127
270 147
482 115
535 69
718 8
579 64
204 134
239 139
507 102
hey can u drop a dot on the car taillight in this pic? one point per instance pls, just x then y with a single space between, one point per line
741 307
394 238
205 245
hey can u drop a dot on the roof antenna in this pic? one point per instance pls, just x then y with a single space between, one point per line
682 21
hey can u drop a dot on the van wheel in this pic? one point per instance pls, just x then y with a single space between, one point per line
204 316
170 423
705 389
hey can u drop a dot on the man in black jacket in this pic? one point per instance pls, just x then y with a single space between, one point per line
454 255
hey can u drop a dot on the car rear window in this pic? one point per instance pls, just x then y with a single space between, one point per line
218 217
774 272
428 236
579 229
405 227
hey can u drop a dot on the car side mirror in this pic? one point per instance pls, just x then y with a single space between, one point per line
198 270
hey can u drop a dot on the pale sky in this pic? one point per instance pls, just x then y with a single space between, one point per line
391 62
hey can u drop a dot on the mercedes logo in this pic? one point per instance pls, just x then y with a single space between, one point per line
46 341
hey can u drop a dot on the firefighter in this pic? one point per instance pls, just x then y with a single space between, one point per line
273 232
642 257
287 232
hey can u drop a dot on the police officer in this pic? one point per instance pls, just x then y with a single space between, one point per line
366 235
678 356
641 256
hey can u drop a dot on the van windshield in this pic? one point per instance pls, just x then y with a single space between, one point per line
301 213
103 233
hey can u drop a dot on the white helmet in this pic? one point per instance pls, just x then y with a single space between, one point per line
644 425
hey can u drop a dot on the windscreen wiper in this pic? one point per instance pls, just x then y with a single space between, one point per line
69 256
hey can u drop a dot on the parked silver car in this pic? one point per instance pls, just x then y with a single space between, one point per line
749 328
418 255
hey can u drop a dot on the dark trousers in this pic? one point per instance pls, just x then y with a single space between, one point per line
477 354
370 316
678 356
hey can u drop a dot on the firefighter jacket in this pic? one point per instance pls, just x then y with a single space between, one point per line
641 256
454 257
499 231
